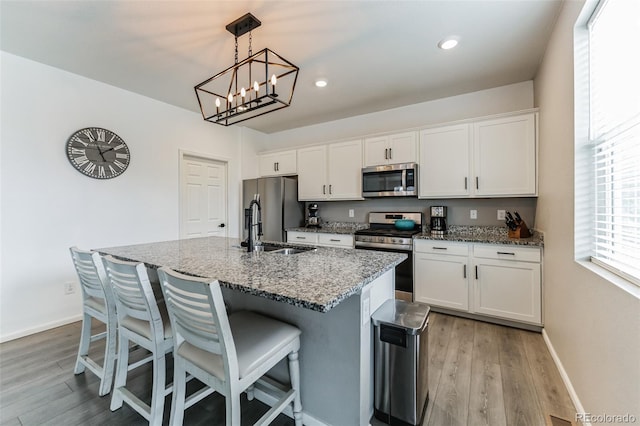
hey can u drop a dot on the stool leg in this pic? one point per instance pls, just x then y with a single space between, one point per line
159 385
232 403
179 390
122 367
250 392
109 362
85 340
294 372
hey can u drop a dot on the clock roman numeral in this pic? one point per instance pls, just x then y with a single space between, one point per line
112 138
77 139
77 151
81 160
113 171
119 164
101 135
88 134
90 168
121 155
101 172
117 147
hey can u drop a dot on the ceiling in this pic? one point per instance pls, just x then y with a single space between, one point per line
376 55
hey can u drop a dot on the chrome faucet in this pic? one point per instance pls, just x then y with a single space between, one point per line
253 222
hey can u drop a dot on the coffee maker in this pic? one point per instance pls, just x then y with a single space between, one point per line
313 220
438 220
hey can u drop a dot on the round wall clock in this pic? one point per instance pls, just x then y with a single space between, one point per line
98 153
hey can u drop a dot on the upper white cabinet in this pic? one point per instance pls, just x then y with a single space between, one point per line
391 149
277 163
445 161
504 156
330 172
488 158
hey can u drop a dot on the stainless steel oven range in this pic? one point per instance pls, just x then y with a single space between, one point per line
382 235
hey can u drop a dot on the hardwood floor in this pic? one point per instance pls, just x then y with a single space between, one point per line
479 374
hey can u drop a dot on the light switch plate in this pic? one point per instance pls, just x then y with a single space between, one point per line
501 214
351 213
473 214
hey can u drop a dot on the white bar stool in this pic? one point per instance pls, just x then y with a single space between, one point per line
98 303
145 322
227 353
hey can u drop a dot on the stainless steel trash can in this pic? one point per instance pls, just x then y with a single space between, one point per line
401 388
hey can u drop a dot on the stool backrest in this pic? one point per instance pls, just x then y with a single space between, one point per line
133 292
92 276
198 315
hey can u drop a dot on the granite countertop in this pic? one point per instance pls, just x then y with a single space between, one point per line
318 280
333 228
484 234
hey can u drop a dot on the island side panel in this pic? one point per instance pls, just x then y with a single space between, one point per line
336 354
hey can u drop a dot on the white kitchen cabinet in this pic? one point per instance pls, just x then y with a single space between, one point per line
445 162
500 281
321 239
441 274
504 156
506 287
391 149
330 172
487 158
278 163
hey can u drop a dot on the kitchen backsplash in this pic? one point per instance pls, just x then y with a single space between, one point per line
457 209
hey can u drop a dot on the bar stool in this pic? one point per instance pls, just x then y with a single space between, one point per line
229 354
98 303
145 322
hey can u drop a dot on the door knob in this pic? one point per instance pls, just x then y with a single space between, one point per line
221 225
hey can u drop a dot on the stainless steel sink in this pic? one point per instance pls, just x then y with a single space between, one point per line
267 248
291 250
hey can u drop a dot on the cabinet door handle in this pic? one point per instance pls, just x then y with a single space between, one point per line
465 183
386 154
464 271
439 248
477 184
301 238
324 189
330 189
277 167
390 154
476 272
334 240
506 252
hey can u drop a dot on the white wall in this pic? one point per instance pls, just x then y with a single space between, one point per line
593 325
47 206
513 97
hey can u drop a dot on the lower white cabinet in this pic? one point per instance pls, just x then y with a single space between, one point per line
501 281
441 274
320 239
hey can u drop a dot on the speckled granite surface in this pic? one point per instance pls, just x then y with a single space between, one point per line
317 280
484 234
333 228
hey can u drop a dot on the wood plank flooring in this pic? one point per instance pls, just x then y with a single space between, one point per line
479 374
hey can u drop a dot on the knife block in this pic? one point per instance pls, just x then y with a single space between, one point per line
520 232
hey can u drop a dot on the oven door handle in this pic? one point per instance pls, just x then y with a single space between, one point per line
402 248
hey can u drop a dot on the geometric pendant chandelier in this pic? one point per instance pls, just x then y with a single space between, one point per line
262 83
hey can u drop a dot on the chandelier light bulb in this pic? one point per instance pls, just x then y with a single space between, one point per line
217 102
256 86
243 93
274 80
230 98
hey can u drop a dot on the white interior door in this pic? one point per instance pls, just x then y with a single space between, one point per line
203 197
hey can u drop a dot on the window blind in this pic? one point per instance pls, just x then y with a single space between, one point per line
614 127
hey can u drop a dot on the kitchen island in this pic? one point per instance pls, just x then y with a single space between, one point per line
329 293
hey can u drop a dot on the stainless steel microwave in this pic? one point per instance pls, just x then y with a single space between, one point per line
393 180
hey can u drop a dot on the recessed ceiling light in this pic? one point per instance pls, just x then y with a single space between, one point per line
321 83
448 43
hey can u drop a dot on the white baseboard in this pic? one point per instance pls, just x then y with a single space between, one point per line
38 329
565 377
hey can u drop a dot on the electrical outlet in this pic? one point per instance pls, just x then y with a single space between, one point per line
501 214
473 214
351 213
69 287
